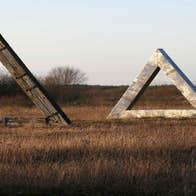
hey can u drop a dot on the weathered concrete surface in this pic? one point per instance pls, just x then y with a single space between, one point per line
178 78
137 87
159 61
30 85
157 113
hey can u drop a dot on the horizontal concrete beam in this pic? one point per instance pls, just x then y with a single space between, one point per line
178 114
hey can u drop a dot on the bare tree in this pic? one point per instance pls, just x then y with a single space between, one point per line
65 76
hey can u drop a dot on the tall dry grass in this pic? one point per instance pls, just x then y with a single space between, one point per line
99 157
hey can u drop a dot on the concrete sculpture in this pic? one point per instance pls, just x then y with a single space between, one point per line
159 61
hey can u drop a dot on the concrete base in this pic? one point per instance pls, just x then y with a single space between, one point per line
178 114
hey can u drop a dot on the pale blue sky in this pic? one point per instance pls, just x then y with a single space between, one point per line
110 40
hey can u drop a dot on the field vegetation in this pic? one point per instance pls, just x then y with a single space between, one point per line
94 156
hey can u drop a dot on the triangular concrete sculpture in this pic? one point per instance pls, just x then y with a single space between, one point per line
29 84
159 61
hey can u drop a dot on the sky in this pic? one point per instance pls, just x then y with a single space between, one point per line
110 40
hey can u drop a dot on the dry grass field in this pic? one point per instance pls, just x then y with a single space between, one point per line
99 157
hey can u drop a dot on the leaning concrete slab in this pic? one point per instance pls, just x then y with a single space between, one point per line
159 61
29 84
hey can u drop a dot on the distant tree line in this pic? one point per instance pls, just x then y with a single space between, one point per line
56 81
67 86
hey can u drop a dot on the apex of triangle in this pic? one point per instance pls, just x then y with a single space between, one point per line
159 50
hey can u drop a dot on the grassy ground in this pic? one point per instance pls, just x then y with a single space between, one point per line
98 157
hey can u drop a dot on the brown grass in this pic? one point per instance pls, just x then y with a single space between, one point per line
98 157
